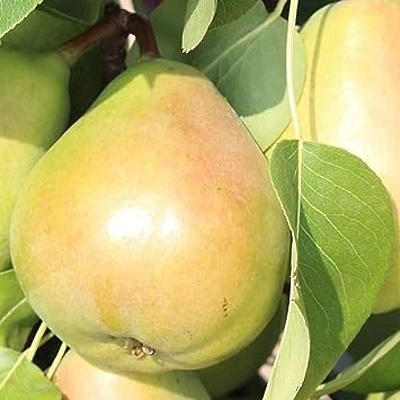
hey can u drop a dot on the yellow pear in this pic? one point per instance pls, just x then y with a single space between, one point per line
150 237
350 97
79 380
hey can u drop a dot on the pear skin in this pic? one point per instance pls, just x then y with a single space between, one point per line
34 109
79 380
350 98
150 237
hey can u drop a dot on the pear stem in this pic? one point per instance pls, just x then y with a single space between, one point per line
111 25
140 26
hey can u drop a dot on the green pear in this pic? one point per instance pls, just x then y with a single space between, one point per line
227 376
350 98
150 237
34 110
41 31
79 380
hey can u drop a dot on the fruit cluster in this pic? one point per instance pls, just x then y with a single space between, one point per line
143 224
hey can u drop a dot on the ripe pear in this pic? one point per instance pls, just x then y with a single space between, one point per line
150 237
79 380
350 98
34 110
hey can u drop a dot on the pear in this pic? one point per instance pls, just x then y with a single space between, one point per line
34 109
350 98
79 380
149 237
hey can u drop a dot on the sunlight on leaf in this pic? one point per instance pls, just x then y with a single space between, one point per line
384 374
229 10
198 17
246 61
395 395
344 242
357 370
22 380
286 381
13 12
16 316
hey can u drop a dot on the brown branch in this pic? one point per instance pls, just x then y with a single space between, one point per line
109 26
140 26
113 48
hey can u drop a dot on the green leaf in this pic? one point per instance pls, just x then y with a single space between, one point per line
341 219
366 365
246 60
384 396
16 316
230 10
82 11
384 375
286 382
41 31
22 380
198 17
13 12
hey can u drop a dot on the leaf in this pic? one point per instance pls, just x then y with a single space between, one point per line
198 17
285 382
22 380
358 370
230 10
41 31
13 12
341 219
82 11
384 396
246 61
384 374
16 316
